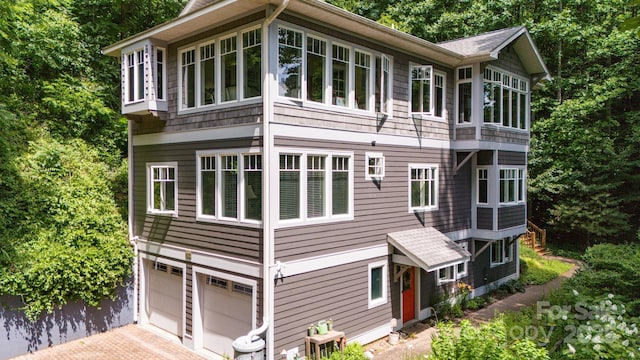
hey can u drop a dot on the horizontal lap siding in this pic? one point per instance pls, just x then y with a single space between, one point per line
509 60
382 210
504 135
512 158
339 293
480 270
485 218
185 231
511 216
466 133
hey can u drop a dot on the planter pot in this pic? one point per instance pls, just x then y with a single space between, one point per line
394 337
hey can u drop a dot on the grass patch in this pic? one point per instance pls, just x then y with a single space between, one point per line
539 269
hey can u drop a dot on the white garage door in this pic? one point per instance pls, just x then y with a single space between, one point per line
227 313
165 297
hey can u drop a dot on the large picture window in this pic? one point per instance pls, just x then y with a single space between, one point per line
315 186
505 99
229 186
210 71
423 187
162 188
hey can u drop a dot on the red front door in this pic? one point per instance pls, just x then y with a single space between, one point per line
408 295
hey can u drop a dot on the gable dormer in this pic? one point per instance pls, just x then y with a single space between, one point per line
144 78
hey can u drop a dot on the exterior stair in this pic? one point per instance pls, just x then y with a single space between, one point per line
535 238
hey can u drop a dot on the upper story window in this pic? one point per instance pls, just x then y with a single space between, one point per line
229 186
383 84
135 78
427 91
332 73
423 189
162 188
161 84
483 186
315 186
374 166
464 81
512 186
377 284
505 99
221 70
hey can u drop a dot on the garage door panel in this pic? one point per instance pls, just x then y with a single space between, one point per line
165 301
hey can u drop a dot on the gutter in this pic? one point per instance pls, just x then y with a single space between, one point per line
268 234
133 240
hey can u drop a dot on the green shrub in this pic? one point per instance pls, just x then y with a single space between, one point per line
477 303
352 351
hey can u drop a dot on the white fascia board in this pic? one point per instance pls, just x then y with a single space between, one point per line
301 266
470 145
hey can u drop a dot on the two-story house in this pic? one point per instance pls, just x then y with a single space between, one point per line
292 162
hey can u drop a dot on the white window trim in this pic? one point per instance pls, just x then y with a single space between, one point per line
327 104
240 215
459 274
386 89
450 272
383 299
518 189
218 104
511 90
136 76
162 86
149 181
506 258
431 114
456 104
303 219
488 179
367 174
436 184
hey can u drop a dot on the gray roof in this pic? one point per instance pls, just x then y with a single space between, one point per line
488 42
429 248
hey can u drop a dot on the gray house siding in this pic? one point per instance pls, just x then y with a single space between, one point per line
511 216
480 271
485 218
378 210
339 293
485 157
232 240
512 158
509 60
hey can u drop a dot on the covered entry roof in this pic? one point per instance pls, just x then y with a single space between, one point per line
428 247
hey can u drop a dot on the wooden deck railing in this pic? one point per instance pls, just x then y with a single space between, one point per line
535 237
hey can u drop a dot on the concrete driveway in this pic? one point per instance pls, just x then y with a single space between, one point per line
128 342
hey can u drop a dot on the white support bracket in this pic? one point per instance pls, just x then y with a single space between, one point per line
456 166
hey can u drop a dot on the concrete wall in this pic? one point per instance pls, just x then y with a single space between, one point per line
19 336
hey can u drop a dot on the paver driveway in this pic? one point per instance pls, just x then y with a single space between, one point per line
128 342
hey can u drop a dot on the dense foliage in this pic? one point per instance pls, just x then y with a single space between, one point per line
585 152
63 178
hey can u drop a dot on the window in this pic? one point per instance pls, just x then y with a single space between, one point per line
340 75
464 95
505 99
289 62
446 274
229 186
188 77
208 74
160 73
377 284
461 270
162 189
135 76
423 187
251 63
316 62
217 282
242 289
483 186
374 166
383 84
512 186
501 251
162 267
421 89
362 74
315 185
228 68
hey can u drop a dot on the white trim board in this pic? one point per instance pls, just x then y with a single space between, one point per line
314 263
371 335
295 131
153 250
229 132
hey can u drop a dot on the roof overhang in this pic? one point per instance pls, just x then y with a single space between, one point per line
428 248
314 10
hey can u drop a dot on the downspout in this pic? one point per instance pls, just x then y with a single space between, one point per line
132 240
267 145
